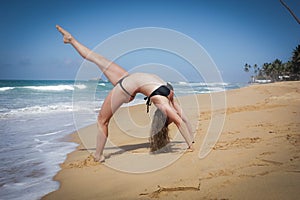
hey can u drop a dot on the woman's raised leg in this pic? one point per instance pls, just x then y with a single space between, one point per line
110 69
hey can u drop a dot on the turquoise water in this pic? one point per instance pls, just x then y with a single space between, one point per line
36 115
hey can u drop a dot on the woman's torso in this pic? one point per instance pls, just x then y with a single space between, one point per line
142 83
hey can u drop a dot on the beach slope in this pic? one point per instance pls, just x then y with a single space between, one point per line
256 156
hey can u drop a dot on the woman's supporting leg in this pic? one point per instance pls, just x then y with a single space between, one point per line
111 103
110 69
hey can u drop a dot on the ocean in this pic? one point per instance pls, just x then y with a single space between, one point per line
35 116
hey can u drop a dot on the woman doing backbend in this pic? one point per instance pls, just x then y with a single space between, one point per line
126 86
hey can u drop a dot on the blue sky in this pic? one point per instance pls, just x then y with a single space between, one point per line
233 32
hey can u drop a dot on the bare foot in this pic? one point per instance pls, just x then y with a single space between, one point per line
67 36
99 159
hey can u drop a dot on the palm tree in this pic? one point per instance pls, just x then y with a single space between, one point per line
255 69
260 73
288 70
266 69
247 67
276 69
296 61
296 55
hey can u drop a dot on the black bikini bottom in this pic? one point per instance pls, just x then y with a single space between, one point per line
121 85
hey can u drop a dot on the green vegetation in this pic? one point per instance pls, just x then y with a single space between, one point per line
277 70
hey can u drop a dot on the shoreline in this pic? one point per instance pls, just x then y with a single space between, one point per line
265 163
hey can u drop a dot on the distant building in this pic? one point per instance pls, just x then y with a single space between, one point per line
263 81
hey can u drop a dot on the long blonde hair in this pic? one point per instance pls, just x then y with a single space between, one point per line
159 136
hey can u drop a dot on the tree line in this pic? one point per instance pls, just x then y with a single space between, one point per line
277 70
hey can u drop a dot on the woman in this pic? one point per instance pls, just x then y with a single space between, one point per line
126 86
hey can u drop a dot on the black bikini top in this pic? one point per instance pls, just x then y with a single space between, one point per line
163 90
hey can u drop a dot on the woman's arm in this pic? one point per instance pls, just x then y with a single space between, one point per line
183 116
179 122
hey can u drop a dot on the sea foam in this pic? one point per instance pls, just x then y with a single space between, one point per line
2 89
50 87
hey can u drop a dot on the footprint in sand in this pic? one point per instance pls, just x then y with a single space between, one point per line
237 143
88 162
293 139
261 166
222 172
267 153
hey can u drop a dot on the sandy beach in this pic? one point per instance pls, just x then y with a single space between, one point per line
256 156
